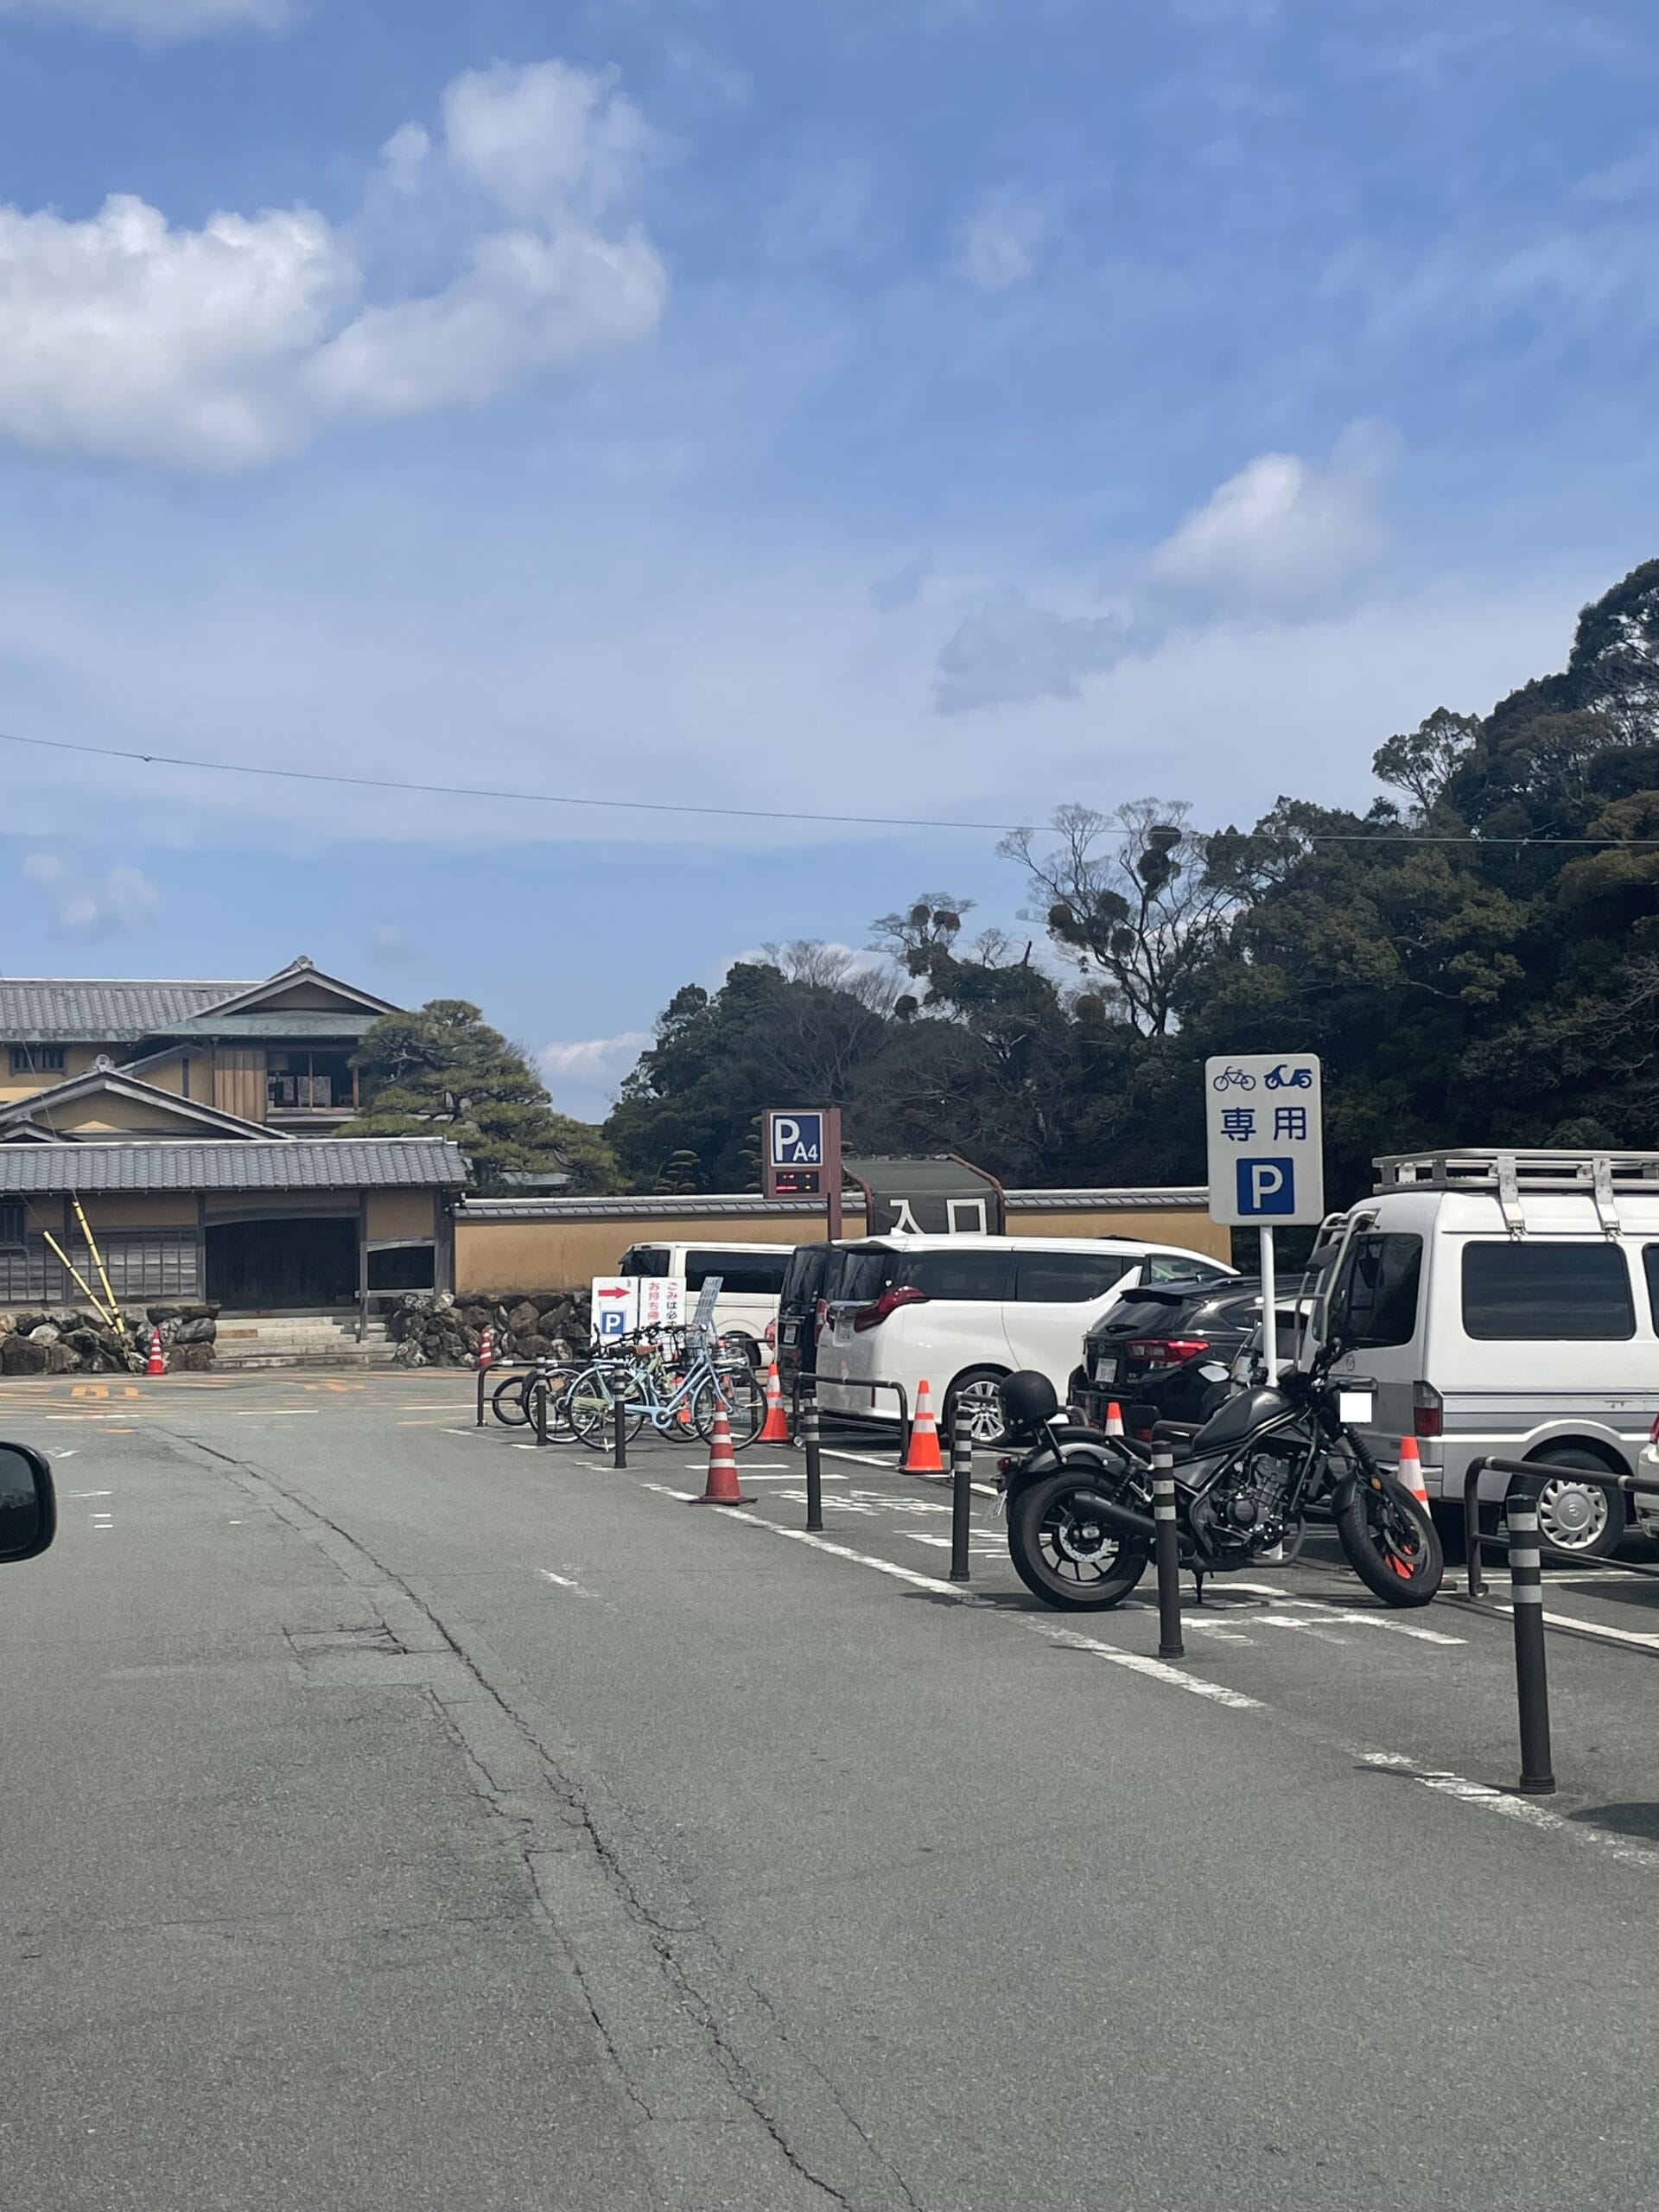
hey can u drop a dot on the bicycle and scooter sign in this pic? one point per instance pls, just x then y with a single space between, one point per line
1267 1143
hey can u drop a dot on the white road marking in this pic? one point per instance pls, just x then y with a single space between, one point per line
1307 1628
1353 1619
70 1454
1456 1787
565 1581
1218 1693
103 1521
89 1493
1528 1810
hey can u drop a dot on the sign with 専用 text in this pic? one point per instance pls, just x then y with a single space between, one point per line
1263 1116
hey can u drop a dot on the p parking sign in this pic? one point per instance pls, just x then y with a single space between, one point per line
1266 1147
796 1139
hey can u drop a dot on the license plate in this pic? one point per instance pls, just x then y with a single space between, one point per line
843 1333
1106 1371
791 1331
1354 1407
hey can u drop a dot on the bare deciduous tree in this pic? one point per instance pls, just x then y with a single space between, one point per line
1128 898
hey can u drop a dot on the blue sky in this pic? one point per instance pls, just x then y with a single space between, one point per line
897 407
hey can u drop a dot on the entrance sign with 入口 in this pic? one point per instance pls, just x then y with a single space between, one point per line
1266 1147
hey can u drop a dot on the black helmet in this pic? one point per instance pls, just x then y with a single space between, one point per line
1028 1400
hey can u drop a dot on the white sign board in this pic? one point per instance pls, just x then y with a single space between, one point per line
1267 1146
623 1303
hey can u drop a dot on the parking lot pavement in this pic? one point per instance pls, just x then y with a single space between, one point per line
957 1901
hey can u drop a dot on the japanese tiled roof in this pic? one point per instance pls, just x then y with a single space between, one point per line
58 1011
293 1163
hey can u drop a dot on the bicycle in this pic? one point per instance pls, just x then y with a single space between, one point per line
513 1399
1234 1080
646 1390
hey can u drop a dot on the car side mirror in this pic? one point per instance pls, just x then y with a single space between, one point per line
29 1505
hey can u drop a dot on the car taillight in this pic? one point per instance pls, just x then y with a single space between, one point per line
1427 1411
1165 1352
1653 1433
871 1317
771 1332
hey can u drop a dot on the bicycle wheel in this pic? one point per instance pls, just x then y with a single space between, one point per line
589 1403
510 1402
739 1397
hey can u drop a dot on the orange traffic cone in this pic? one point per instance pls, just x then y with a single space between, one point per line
1411 1468
777 1428
922 1457
155 1364
1114 1418
721 1488
486 1347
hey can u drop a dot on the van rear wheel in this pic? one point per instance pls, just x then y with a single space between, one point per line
1577 1520
974 1402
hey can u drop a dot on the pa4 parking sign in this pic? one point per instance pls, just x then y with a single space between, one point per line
1267 1145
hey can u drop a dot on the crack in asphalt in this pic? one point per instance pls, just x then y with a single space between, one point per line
574 1800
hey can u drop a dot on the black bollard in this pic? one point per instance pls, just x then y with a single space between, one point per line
961 1498
1531 1672
539 1385
619 1433
1168 1544
809 1445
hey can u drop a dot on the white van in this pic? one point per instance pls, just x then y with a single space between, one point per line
1503 1303
965 1310
751 1277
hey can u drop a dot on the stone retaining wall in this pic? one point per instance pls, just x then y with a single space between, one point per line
436 1329
67 1340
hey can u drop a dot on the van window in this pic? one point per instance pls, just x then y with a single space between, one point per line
978 1274
1536 1291
742 1275
1375 1304
644 1260
1649 1263
1069 1278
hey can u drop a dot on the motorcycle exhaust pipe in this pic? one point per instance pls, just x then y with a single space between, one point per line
1123 1517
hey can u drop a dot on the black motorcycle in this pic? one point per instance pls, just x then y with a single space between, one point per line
1080 1503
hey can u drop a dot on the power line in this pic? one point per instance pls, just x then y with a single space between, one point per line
740 813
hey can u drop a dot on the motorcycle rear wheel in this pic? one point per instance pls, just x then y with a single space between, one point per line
1390 1542
1051 1536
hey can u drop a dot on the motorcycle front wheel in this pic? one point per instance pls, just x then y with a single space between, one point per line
1063 1554
1390 1542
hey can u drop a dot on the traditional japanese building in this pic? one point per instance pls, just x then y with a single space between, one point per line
180 1136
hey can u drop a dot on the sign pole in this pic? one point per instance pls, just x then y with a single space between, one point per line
832 1172
1270 1304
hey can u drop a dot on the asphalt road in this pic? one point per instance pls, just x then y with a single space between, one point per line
395 1815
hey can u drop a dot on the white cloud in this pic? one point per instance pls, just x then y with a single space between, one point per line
221 347
1000 246
1008 650
546 143
91 906
158 19
583 1076
1285 532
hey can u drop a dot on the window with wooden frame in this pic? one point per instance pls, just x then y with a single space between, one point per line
37 1059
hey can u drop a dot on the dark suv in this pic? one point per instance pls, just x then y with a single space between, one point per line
809 1282
1170 1346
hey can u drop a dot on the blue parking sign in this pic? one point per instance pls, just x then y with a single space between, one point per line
1266 1187
798 1139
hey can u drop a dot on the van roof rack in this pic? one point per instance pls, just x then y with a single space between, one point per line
1512 1173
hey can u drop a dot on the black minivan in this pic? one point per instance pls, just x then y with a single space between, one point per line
811 1281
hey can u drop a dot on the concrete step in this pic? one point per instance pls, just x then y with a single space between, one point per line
251 1341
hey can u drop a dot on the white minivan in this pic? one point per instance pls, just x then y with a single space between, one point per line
751 1276
963 1311
1504 1305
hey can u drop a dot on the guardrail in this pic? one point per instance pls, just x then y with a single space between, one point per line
1527 1588
803 1384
